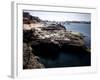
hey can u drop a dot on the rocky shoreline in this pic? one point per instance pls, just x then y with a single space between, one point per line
47 40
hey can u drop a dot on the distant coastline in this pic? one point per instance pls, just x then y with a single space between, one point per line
85 22
63 22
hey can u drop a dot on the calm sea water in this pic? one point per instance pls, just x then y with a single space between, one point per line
70 59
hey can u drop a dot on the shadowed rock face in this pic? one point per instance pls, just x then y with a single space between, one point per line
48 41
48 44
45 48
30 61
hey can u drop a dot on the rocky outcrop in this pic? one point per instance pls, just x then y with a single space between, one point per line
30 61
48 41
28 19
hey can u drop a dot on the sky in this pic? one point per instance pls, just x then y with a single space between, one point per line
61 16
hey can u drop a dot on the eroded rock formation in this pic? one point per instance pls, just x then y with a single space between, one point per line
30 61
47 40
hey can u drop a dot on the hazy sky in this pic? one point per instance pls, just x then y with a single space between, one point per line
60 16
